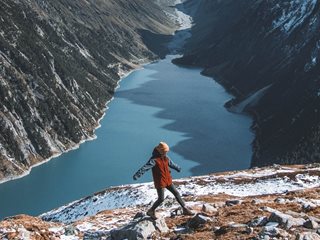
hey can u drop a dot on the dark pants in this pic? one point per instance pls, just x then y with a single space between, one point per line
160 199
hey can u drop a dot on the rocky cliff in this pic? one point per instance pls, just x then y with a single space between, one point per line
60 62
279 202
267 54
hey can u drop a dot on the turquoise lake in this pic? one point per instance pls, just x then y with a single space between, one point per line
161 102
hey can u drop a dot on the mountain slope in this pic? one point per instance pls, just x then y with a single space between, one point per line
60 63
231 205
267 54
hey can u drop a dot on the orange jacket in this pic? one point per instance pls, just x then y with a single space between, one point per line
160 170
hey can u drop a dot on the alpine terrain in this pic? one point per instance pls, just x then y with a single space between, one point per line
278 202
266 53
60 62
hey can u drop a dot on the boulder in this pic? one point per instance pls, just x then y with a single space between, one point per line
303 215
233 202
306 205
280 200
248 230
70 230
258 221
141 228
257 201
311 224
24 233
272 224
161 225
285 220
237 225
197 221
94 235
269 231
207 208
308 236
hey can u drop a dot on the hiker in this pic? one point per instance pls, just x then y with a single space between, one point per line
160 163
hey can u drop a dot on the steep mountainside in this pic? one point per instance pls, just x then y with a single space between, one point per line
60 62
267 54
279 202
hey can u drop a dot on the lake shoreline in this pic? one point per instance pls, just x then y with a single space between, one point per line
122 75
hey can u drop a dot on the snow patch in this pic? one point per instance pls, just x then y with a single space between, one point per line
40 31
294 14
84 52
313 58
251 100
262 181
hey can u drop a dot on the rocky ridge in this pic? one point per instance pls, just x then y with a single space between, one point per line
60 62
279 202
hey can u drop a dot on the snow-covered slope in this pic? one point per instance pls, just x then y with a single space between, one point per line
248 194
244 183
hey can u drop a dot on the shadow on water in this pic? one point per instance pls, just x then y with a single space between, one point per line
215 138
156 43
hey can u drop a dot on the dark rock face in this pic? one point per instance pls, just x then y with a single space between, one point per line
59 65
267 54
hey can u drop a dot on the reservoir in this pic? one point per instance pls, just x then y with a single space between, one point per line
160 102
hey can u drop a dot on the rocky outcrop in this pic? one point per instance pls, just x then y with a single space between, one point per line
276 212
60 63
267 54
140 228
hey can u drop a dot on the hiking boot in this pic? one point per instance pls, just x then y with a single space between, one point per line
187 211
151 214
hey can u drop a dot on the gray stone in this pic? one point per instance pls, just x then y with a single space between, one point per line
139 229
272 224
296 214
197 221
311 224
24 234
70 230
287 221
233 202
256 201
96 235
237 225
258 221
215 228
161 225
314 219
219 204
307 205
248 230
308 236
303 215
207 208
280 200
269 231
